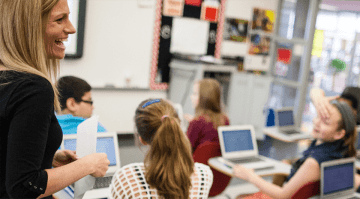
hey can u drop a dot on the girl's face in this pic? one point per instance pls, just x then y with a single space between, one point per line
325 130
195 95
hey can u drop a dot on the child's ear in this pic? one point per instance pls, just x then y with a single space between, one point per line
339 134
71 104
142 141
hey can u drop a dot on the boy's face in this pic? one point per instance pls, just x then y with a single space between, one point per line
84 108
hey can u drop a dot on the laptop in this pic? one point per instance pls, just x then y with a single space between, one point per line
106 143
238 146
338 179
284 121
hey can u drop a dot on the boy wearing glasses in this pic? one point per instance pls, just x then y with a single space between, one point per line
76 103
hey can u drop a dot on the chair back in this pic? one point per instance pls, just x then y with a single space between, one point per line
307 190
202 154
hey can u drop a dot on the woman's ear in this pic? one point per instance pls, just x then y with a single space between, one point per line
339 134
142 141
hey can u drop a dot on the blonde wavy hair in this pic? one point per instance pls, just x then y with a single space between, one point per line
22 47
209 102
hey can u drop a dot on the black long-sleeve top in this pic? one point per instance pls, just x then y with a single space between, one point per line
29 134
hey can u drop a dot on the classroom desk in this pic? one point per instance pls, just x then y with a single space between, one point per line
97 193
284 146
279 168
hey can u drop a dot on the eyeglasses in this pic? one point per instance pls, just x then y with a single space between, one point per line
88 101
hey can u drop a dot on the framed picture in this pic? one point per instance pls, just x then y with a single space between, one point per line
75 43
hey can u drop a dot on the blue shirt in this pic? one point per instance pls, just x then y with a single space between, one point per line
323 152
69 124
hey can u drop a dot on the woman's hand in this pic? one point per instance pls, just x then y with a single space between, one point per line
243 172
322 105
63 157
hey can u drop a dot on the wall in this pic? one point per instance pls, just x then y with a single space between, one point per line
118 41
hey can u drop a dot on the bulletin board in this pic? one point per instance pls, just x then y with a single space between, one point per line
200 14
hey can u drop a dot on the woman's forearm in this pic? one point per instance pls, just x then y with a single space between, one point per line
267 188
61 177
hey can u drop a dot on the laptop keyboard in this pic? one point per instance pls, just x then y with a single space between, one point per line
102 182
246 160
289 132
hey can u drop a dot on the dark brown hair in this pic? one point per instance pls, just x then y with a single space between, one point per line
349 137
168 164
209 102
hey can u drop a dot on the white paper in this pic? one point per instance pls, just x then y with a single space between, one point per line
189 36
86 145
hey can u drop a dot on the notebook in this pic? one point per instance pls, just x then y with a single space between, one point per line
106 143
338 179
284 121
238 146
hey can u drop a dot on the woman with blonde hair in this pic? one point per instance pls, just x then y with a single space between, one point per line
168 170
208 113
31 43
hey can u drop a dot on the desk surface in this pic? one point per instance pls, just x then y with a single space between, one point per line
279 168
274 133
97 193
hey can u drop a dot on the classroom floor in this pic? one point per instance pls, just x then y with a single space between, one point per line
130 153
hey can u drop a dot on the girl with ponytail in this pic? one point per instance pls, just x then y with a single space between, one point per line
168 170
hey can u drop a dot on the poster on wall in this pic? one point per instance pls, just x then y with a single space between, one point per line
259 44
173 7
263 20
236 29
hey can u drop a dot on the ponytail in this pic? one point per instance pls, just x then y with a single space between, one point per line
168 163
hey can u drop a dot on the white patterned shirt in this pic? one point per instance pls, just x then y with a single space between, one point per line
129 183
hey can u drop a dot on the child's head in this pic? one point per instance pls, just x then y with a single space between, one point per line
340 125
169 163
75 96
206 95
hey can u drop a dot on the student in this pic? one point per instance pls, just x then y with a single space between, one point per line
208 114
335 137
75 102
31 36
168 170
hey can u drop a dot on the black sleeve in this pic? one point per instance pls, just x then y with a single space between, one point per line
30 108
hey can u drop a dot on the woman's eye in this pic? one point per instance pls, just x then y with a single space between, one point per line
60 19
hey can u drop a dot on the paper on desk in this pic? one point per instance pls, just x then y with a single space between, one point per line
86 145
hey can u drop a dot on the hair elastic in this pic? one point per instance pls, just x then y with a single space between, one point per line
150 102
164 116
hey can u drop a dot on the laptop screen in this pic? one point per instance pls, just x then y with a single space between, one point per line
237 140
103 145
285 118
338 178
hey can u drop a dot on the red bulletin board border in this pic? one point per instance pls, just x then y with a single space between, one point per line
156 41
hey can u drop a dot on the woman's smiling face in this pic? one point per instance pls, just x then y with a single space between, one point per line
327 129
57 30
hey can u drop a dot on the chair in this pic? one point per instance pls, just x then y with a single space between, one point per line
202 154
306 191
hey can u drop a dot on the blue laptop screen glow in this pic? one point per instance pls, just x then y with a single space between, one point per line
103 145
285 118
238 140
338 178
